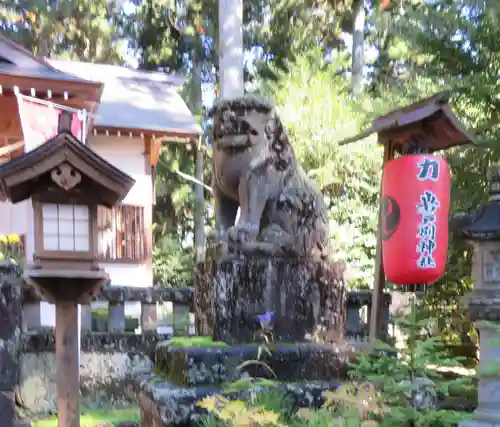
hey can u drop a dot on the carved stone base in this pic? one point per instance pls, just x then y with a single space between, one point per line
164 404
308 298
216 365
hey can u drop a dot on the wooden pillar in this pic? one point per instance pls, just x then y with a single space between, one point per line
199 212
152 151
376 315
68 369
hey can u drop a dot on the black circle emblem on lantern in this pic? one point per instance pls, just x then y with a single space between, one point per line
391 216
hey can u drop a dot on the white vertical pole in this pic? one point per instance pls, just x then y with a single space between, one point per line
84 126
231 48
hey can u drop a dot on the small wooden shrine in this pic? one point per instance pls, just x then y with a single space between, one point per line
423 127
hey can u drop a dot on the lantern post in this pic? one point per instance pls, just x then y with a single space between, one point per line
420 128
66 182
481 229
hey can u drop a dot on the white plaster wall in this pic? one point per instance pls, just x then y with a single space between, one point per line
140 276
13 217
127 154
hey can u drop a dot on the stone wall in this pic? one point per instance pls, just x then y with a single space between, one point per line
101 379
105 362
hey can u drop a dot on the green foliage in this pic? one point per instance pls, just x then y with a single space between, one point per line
171 31
247 383
84 30
269 408
295 28
97 418
173 261
402 378
195 342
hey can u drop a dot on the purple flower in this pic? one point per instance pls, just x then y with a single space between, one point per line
265 319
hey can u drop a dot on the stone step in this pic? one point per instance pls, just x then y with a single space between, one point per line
164 404
216 364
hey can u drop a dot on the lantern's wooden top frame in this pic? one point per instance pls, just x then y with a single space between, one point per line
30 175
429 125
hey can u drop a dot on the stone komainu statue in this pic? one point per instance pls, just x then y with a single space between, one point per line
255 168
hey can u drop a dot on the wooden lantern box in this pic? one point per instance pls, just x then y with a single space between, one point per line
66 182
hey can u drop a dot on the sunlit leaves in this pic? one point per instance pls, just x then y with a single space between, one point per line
238 414
75 29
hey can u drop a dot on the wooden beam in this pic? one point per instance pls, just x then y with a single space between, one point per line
39 84
186 137
379 280
10 148
68 368
155 153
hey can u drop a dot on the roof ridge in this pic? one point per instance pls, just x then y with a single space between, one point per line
175 79
26 52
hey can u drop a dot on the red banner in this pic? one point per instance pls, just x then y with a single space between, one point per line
39 121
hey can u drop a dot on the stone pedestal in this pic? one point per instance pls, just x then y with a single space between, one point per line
307 298
481 228
10 333
484 308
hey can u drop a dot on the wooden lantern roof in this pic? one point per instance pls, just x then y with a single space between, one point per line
429 123
64 168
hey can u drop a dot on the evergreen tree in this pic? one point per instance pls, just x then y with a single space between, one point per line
85 30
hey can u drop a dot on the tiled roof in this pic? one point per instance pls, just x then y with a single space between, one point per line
135 99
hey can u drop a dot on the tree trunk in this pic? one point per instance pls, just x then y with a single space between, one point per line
358 39
231 48
199 211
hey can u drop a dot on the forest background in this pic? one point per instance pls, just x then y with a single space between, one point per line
331 66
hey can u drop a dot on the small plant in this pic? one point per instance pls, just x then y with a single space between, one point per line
264 335
270 409
256 411
348 406
406 383
11 249
265 332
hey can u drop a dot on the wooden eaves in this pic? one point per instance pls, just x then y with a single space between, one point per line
430 122
30 173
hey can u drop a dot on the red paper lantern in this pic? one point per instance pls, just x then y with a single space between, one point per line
415 206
